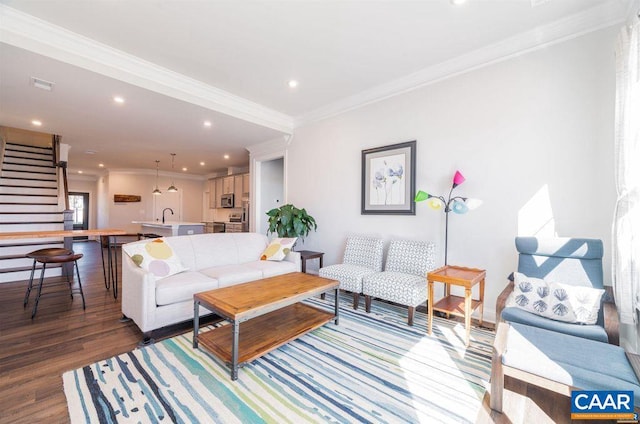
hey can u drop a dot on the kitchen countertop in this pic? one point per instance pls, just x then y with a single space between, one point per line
167 224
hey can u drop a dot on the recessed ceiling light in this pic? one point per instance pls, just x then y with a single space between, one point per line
293 83
79 172
207 123
42 84
36 123
226 156
101 165
201 163
118 99
457 2
184 168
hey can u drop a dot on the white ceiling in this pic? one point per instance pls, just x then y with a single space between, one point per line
179 63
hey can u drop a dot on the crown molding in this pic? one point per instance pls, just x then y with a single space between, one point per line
273 146
36 35
573 26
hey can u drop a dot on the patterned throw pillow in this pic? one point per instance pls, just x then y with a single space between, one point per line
278 249
155 256
561 302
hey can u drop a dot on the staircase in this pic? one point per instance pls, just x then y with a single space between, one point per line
28 202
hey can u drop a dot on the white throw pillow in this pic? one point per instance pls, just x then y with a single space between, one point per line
278 249
561 302
155 256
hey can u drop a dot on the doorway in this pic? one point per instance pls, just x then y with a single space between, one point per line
271 190
79 204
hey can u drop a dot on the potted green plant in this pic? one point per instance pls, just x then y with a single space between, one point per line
289 221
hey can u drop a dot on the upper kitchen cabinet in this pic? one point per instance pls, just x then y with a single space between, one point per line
237 193
213 194
238 185
246 184
228 186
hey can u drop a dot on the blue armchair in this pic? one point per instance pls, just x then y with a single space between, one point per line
572 261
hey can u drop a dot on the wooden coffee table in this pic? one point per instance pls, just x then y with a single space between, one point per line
268 312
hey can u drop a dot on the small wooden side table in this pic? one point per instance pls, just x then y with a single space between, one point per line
456 305
308 254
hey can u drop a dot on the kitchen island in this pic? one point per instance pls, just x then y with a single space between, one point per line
171 228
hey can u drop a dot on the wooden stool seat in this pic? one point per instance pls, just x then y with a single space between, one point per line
53 255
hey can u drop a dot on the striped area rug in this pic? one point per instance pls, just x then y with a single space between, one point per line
370 368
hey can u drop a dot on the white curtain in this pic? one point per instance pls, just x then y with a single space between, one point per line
626 223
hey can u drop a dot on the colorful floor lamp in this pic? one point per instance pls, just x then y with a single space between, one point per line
457 204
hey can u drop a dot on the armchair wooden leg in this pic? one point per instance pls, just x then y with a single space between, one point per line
356 300
497 373
411 311
367 303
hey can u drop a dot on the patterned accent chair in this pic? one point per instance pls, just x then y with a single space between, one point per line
362 256
404 279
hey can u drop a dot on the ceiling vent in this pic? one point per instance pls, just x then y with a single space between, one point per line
42 84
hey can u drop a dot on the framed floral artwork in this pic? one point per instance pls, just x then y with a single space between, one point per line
389 179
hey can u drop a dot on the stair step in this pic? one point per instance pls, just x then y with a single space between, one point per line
28 268
29 195
6 189
35 216
29 207
47 163
21 247
23 153
30 222
31 226
28 147
19 167
15 177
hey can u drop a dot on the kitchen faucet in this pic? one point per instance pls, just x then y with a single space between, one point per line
164 210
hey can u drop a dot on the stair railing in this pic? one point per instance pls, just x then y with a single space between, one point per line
62 165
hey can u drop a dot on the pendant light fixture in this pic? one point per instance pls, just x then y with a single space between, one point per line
157 190
172 188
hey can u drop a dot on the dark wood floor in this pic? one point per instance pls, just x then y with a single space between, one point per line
35 353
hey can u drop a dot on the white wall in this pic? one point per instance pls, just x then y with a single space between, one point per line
538 123
271 190
186 203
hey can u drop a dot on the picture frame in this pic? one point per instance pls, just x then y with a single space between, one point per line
389 180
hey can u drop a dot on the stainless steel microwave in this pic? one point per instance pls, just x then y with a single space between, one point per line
226 200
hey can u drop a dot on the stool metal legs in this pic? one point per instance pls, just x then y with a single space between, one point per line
40 283
30 286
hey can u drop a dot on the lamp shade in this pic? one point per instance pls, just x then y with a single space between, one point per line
459 207
420 196
458 179
473 203
435 203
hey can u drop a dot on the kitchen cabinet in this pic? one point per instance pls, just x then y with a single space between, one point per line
213 195
219 191
238 185
238 195
227 183
246 184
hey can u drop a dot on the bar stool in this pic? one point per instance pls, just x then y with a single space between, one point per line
52 256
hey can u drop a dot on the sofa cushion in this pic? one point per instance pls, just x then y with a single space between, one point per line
588 331
569 360
228 275
278 249
554 300
406 289
271 268
181 287
349 276
156 256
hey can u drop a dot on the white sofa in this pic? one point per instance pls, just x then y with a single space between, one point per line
213 261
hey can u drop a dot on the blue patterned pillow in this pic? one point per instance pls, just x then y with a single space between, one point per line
561 302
